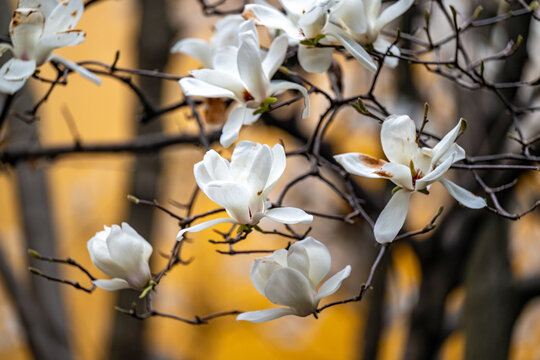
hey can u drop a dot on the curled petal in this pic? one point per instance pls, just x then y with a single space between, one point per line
463 196
77 68
332 285
275 56
289 215
392 12
112 284
265 315
204 225
361 164
435 174
279 85
392 217
356 50
445 146
16 69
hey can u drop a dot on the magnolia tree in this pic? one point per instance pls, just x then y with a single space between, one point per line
262 57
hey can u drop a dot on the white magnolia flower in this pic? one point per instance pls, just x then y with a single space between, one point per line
411 168
226 35
243 75
242 185
37 28
307 21
363 21
123 254
291 278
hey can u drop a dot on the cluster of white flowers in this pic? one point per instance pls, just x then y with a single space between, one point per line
237 68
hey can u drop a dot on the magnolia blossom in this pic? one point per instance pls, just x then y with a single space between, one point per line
307 23
242 185
37 28
123 254
226 35
363 22
411 168
291 278
243 75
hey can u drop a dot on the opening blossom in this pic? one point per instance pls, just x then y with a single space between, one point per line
411 168
122 254
36 29
290 278
363 21
242 185
226 35
308 23
243 74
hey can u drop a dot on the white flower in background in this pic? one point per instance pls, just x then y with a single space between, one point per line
37 28
363 21
311 20
243 75
242 185
411 168
122 254
291 278
226 35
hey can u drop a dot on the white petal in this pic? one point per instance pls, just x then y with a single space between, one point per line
204 225
112 284
398 174
297 7
463 196
356 50
445 146
313 21
25 29
265 315
196 48
99 254
242 158
234 197
392 12
372 8
289 215
280 85
392 217
260 170
195 87
332 285
251 71
275 56
398 135
262 268
319 261
64 17
225 60
314 59
216 166
61 39
352 15
381 45
146 247
10 87
435 174
361 164
16 69
279 162
289 287
77 68
226 31
221 80
273 19
236 119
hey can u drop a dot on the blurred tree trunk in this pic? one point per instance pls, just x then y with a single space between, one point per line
154 39
40 306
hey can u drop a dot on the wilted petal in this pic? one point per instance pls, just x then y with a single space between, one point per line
289 215
251 71
77 68
356 50
64 16
272 19
314 59
16 69
463 196
61 39
392 217
196 87
398 139
289 287
25 29
279 85
196 48
319 261
262 268
332 285
203 226
275 56
265 315
398 174
361 164
446 145
112 284
392 12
